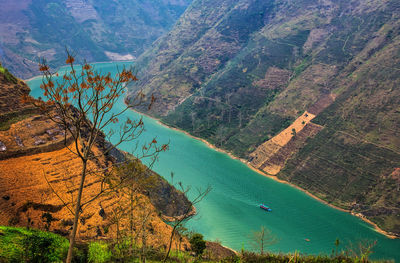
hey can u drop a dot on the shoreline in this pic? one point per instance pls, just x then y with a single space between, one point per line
212 146
192 213
91 63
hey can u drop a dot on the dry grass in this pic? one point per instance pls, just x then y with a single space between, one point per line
264 153
23 183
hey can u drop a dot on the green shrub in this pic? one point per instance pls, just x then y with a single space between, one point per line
198 244
44 247
23 245
99 252
80 253
8 75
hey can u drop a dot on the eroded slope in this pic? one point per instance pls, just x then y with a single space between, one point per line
39 177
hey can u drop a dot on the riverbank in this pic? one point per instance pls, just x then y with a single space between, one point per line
91 63
375 226
192 213
212 146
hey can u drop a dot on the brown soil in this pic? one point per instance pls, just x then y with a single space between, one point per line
10 95
272 155
22 179
277 161
216 251
396 174
39 174
267 150
275 78
26 195
32 135
322 103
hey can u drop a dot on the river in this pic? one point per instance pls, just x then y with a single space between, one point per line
230 212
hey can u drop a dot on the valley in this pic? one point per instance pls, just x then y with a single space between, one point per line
95 30
39 175
247 90
294 104
230 212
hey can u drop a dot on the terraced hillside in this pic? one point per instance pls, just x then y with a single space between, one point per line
35 165
242 74
94 30
353 161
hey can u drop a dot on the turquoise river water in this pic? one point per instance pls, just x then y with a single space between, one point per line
230 212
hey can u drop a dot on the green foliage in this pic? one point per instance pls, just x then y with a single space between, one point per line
44 247
99 252
294 258
22 245
212 87
197 243
80 253
294 132
8 119
9 77
302 66
47 218
353 157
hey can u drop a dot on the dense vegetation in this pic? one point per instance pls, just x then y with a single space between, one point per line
29 245
239 73
89 28
24 245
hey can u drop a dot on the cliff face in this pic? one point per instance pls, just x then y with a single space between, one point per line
305 90
35 163
95 30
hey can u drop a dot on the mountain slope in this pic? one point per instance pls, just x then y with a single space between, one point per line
96 30
305 90
35 163
354 162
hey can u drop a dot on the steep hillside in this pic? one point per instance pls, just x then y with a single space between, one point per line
305 90
11 91
96 30
35 163
354 161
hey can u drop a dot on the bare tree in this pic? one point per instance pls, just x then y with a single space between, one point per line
263 238
193 117
129 180
228 102
82 103
362 250
220 135
118 212
240 119
187 214
145 216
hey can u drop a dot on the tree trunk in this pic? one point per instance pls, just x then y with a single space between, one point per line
144 246
170 243
262 240
131 223
77 212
